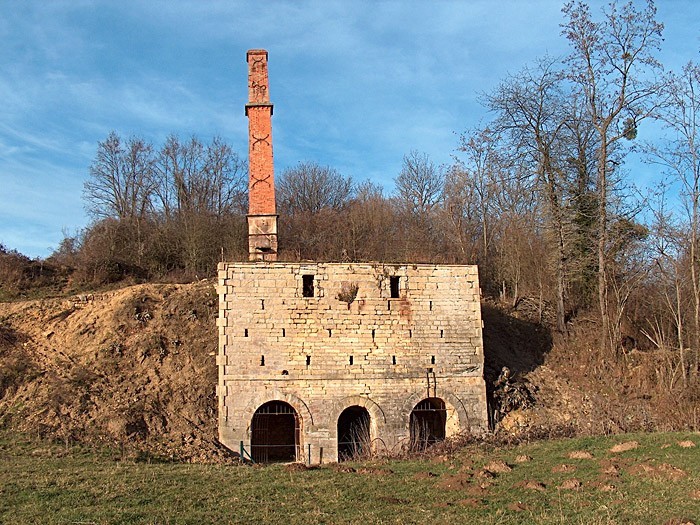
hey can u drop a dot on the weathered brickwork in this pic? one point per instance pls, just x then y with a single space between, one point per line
323 337
262 218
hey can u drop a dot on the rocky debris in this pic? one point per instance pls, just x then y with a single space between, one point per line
570 484
624 447
455 481
498 467
686 444
611 470
605 487
580 454
298 467
511 392
485 474
531 484
523 458
664 471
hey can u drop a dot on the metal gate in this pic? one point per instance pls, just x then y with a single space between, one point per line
275 431
427 423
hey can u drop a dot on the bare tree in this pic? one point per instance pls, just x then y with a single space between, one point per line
309 187
419 184
122 179
200 179
482 166
680 157
610 63
532 110
200 187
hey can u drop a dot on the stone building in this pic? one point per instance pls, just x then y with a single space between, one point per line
324 361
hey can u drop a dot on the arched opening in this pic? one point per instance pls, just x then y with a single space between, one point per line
275 433
353 433
427 423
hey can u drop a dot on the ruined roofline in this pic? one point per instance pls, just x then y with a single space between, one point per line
341 263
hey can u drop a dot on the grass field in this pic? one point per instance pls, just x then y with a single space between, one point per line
573 481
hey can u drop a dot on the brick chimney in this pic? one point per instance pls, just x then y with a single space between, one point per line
262 213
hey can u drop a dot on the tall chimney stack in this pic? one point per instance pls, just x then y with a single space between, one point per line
262 214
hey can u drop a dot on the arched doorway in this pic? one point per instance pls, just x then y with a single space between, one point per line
353 433
275 433
427 423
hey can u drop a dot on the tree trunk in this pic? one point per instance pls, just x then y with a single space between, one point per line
602 244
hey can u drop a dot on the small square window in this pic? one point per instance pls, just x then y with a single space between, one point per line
307 285
394 286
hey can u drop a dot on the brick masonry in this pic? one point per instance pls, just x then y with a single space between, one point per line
262 218
275 344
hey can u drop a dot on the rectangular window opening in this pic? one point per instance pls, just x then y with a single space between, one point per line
432 359
410 333
442 333
430 305
284 332
262 304
330 333
307 285
394 286
351 359
262 360
245 332
308 360
393 359
373 334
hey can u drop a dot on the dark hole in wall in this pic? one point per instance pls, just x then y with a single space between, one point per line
394 281
353 433
307 285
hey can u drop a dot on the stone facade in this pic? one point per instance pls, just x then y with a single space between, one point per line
322 347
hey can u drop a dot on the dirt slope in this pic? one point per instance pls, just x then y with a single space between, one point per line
135 367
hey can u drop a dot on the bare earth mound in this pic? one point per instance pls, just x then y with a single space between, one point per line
135 368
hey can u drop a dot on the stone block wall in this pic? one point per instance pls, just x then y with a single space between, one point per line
322 337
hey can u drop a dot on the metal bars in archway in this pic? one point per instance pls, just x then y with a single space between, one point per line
275 433
427 423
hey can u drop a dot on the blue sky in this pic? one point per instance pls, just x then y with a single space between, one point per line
356 84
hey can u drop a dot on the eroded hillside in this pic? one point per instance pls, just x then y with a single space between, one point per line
134 367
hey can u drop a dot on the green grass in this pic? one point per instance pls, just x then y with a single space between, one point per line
45 483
